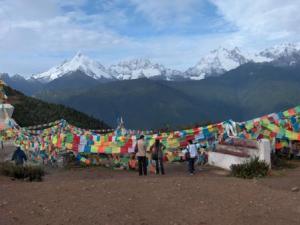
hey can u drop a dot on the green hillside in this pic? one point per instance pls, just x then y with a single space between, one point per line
31 111
252 90
142 103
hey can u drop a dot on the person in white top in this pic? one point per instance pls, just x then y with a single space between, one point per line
192 154
140 151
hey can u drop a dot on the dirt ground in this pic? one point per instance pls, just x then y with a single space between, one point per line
104 196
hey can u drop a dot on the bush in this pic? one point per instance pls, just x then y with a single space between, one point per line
251 169
28 172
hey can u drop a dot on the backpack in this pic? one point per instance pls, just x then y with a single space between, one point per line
187 154
136 149
154 154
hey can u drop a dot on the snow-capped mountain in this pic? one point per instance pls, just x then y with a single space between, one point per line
221 60
80 63
142 68
277 51
216 63
287 54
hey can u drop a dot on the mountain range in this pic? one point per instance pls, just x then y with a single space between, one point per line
216 63
246 92
224 84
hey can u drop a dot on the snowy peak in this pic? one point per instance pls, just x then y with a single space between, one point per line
287 54
283 50
79 62
136 63
216 63
140 68
228 59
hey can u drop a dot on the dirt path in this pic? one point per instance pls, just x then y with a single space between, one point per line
103 196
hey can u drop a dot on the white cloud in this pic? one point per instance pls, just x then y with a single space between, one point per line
264 19
52 29
162 13
31 28
35 34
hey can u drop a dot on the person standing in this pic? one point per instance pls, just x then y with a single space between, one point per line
157 155
19 157
191 153
141 156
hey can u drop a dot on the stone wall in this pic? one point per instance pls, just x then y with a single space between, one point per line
238 151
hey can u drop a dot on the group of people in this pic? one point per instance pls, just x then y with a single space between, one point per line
156 155
191 155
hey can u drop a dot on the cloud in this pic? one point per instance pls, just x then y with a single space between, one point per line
32 29
268 19
35 34
163 13
47 28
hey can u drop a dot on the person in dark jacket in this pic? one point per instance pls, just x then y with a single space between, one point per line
19 157
157 155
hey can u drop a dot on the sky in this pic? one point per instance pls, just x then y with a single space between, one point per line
38 34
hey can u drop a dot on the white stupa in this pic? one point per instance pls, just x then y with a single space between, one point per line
121 127
6 109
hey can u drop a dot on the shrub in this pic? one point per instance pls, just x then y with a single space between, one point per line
250 169
28 172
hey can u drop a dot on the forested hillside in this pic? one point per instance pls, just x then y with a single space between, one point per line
31 111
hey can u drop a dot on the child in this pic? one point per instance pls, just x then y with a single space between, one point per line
132 162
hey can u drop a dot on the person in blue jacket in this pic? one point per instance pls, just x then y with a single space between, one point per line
19 157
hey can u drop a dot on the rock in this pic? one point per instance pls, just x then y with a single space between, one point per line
295 189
